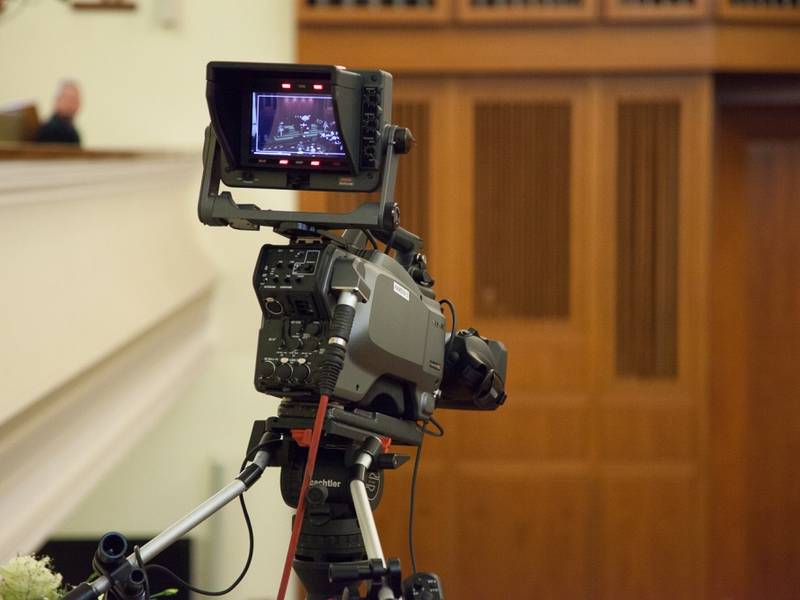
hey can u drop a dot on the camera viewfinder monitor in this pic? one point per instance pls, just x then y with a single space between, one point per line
299 126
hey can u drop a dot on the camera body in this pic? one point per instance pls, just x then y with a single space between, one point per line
395 356
311 127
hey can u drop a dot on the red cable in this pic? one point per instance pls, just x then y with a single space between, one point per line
316 434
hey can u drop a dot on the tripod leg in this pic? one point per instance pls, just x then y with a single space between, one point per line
366 522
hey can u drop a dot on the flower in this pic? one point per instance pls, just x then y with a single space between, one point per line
29 578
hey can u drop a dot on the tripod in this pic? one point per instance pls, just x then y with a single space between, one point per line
339 546
339 530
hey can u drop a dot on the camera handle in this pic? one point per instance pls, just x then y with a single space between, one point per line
242 483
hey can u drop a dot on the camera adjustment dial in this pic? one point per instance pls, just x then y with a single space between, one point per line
284 371
301 372
267 368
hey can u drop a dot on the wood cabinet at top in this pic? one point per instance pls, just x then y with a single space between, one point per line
493 12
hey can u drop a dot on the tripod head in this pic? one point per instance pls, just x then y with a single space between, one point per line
338 531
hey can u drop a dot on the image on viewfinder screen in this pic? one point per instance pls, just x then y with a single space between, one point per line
295 125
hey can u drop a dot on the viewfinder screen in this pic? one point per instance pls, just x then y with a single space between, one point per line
289 124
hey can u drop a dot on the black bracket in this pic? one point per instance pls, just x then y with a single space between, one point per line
356 424
373 571
219 209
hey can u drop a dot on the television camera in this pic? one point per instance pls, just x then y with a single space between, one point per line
352 338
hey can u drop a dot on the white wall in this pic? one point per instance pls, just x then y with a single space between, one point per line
104 317
143 87
143 84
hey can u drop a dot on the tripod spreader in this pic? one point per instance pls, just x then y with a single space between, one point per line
249 475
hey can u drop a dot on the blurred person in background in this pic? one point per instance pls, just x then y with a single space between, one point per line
60 128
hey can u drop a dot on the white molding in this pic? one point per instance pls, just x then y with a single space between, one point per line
92 254
30 182
55 451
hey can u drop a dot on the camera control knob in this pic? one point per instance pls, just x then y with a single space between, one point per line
301 372
268 369
316 495
284 371
310 344
313 328
292 343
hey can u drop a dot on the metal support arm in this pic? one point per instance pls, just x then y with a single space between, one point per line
182 526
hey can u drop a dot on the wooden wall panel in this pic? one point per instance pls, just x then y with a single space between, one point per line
544 428
650 432
642 433
646 525
756 339
536 528
522 196
728 414
647 238
773 332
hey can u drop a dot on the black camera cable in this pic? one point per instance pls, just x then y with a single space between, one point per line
425 432
452 326
411 503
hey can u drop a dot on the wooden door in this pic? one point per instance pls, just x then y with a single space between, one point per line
755 417
651 248
566 217
512 252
